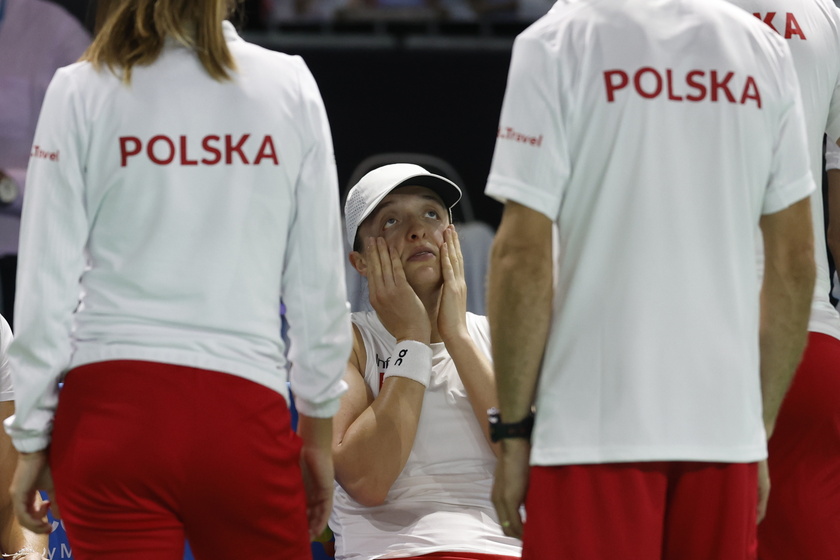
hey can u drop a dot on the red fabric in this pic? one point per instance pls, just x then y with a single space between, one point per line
642 511
803 515
146 454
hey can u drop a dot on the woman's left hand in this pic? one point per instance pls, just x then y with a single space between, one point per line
452 311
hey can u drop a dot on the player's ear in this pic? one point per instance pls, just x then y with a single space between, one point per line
357 260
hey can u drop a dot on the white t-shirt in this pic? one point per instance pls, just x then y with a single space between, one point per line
441 500
179 210
812 31
653 348
7 392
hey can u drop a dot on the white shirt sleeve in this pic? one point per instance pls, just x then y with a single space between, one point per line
531 163
54 231
790 176
314 292
7 392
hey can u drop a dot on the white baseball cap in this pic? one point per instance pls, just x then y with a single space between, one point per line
366 195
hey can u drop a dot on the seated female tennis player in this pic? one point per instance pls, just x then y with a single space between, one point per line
413 459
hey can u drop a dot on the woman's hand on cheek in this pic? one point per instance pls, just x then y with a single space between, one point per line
391 296
452 313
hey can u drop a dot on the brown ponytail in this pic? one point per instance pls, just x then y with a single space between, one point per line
132 32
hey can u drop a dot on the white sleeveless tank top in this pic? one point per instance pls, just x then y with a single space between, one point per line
441 500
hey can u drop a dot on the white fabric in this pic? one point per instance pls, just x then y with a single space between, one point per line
663 364
7 392
441 500
412 360
36 38
187 261
832 156
812 31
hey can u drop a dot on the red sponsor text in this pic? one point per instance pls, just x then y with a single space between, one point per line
508 133
39 152
792 27
212 149
694 86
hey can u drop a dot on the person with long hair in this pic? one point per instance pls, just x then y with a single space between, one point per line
181 183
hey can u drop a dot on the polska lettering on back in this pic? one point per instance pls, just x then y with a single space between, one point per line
696 85
214 149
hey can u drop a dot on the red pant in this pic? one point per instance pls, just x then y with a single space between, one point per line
803 514
145 455
641 511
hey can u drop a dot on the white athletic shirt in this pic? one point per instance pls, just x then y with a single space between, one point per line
198 204
441 500
812 31
653 348
7 392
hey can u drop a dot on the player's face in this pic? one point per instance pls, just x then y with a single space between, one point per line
412 221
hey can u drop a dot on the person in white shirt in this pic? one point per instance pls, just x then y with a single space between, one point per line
15 541
803 512
182 183
413 460
654 398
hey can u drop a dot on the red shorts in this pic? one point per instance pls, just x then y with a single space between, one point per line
803 514
642 511
145 455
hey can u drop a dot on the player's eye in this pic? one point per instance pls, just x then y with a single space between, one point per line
432 214
389 222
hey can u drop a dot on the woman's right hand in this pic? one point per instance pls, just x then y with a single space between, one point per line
33 474
391 296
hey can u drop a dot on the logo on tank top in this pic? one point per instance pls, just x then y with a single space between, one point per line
382 365
213 149
695 86
792 26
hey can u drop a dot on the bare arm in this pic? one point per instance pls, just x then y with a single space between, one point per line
519 306
473 366
833 232
785 301
373 437
519 309
317 466
13 537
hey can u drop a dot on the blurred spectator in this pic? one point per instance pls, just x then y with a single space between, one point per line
36 38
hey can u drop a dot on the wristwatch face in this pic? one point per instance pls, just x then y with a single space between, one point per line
8 191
